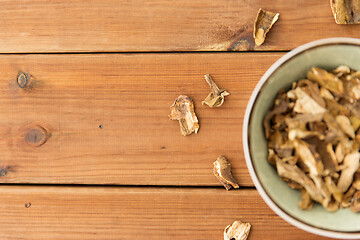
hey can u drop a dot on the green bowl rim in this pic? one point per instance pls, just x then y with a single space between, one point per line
248 112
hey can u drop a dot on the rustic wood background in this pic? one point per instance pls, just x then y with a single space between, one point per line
87 149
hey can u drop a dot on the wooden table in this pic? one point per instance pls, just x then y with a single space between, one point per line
87 149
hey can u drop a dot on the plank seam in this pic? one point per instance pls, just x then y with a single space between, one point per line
143 52
120 186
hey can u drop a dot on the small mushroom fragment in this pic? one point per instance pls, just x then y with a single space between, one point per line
263 24
346 202
294 185
345 125
217 96
306 104
341 70
183 110
301 134
333 206
306 202
334 108
271 156
326 94
302 149
237 231
352 88
324 191
335 191
295 174
280 108
328 156
355 205
313 89
354 108
355 122
350 165
346 11
222 170
326 80
339 153
292 160
356 183
325 150
295 122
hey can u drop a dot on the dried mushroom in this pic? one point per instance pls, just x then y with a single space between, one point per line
326 80
263 24
237 231
313 133
326 94
183 111
306 202
297 175
217 96
306 104
346 11
355 205
348 196
350 165
222 170
356 183
345 125
332 206
334 190
341 70
355 122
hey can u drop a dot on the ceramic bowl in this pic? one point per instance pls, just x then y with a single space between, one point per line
325 53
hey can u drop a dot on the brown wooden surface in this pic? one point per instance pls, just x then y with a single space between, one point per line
102 119
130 96
160 25
136 213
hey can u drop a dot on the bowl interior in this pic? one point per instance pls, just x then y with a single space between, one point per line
327 57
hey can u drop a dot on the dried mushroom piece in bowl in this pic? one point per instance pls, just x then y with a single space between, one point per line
317 121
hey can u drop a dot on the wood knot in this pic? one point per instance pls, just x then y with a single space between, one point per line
36 136
23 80
3 172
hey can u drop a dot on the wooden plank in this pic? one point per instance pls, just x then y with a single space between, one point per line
129 96
160 25
135 213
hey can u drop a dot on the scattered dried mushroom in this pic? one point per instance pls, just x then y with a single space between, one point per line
183 110
222 170
263 24
346 11
314 138
238 231
216 97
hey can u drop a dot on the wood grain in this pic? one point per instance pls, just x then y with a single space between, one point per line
70 96
160 25
135 213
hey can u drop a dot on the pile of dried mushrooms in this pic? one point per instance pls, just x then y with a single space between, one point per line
314 138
